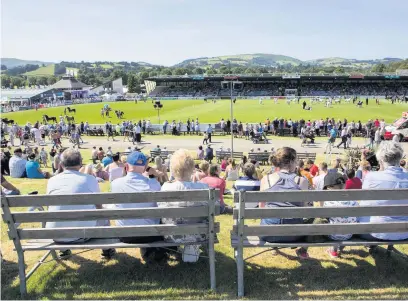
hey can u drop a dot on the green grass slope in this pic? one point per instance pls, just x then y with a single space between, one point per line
47 70
244 110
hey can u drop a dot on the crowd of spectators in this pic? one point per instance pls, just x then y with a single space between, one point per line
260 89
130 171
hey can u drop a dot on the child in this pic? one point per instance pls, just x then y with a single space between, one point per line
43 157
335 181
205 140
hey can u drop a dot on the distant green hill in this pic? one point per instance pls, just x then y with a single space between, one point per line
242 60
47 70
343 62
12 62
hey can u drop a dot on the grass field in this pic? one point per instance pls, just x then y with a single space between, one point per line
244 110
47 70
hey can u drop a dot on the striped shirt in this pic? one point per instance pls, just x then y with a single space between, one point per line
248 184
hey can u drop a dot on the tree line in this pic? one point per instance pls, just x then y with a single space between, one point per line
133 74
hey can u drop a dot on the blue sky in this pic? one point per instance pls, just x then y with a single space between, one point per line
169 31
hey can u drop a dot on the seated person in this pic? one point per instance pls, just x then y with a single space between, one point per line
107 160
214 181
135 182
335 181
231 171
182 167
201 172
33 169
71 181
17 164
248 182
390 176
200 153
8 188
286 179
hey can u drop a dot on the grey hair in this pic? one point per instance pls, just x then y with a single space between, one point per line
390 153
249 169
71 157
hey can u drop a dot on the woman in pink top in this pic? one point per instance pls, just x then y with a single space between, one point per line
214 181
224 163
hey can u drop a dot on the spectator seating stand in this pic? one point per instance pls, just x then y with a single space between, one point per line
263 157
306 156
222 154
103 237
248 236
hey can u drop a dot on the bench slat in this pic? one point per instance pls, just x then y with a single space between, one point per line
111 214
255 241
100 243
326 195
109 198
323 229
291 212
113 231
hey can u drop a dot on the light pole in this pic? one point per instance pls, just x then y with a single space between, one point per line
232 82
158 106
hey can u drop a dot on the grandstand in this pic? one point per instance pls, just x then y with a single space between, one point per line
274 84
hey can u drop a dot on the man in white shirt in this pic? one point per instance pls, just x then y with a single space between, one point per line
137 137
343 138
135 181
17 164
71 181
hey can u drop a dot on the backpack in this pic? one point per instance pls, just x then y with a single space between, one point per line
284 183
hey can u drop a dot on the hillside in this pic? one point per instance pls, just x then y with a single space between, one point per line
12 62
343 62
241 60
42 71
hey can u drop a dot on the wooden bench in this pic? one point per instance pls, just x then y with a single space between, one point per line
249 236
41 238
222 154
259 157
162 153
306 156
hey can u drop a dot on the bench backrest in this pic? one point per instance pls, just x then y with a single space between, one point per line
241 213
205 209
305 156
258 156
235 155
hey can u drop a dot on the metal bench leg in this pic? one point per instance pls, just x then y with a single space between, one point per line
22 275
240 271
211 254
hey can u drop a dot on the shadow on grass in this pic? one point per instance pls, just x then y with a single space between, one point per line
9 271
126 277
311 280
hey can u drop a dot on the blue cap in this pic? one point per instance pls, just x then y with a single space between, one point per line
136 159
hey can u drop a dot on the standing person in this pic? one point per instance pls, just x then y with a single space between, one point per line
209 132
283 180
44 157
377 137
137 134
343 138
94 155
71 181
135 182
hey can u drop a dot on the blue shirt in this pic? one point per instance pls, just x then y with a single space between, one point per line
135 182
391 178
32 170
333 133
209 130
106 161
